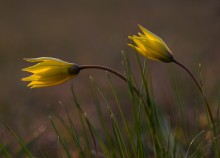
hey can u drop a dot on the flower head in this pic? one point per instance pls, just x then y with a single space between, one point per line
151 46
49 72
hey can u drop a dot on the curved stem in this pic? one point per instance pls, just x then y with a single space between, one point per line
191 75
209 113
200 90
81 67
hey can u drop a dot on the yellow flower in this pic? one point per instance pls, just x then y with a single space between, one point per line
151 46
49 72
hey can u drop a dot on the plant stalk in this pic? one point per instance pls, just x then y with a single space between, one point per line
210 116
81 67
200 90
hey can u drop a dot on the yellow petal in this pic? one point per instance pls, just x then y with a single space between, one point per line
47 61
149 34
151 46
48 72
35 69
31 78
51 84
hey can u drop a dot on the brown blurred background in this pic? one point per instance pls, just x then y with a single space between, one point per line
95 32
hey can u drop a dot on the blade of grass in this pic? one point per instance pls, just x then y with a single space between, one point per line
148 110
144 81
122 115
200 150
81 117
102 145
92 134
218 115
91 128
30 142
118 137
20 141
4 151
136 113
121 140
149 106
143 85
74 134
156 122
131 79
118 140
67 151
101 114
58 144
187 152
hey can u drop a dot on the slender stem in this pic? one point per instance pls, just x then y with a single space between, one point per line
191 75
210 116
81 67
200 90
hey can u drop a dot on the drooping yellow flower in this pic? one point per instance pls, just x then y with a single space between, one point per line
151 46
49 72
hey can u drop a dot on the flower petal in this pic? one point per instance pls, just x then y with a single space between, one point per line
151 46
47 72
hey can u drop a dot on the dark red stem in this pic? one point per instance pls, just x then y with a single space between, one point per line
200 90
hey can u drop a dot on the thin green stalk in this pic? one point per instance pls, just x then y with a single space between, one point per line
122 115
147 107
74 135
72 131
217 115
136 108
20 141
144 82
102 145
82 114
101 117
61 139
91 128
148 110
92 134
143 85
4 151
120 139
188 149
152 112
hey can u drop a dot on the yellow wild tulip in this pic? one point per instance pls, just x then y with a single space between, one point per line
151 46
49 72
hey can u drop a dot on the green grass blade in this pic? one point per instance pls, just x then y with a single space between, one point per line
137 108
118 141
4 152
122 115
20 141
102 145
74 135
67 151
118 137
81 117
119 134
100 114
187 152
91 128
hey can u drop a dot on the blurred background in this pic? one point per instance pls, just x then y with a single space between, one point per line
95 32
